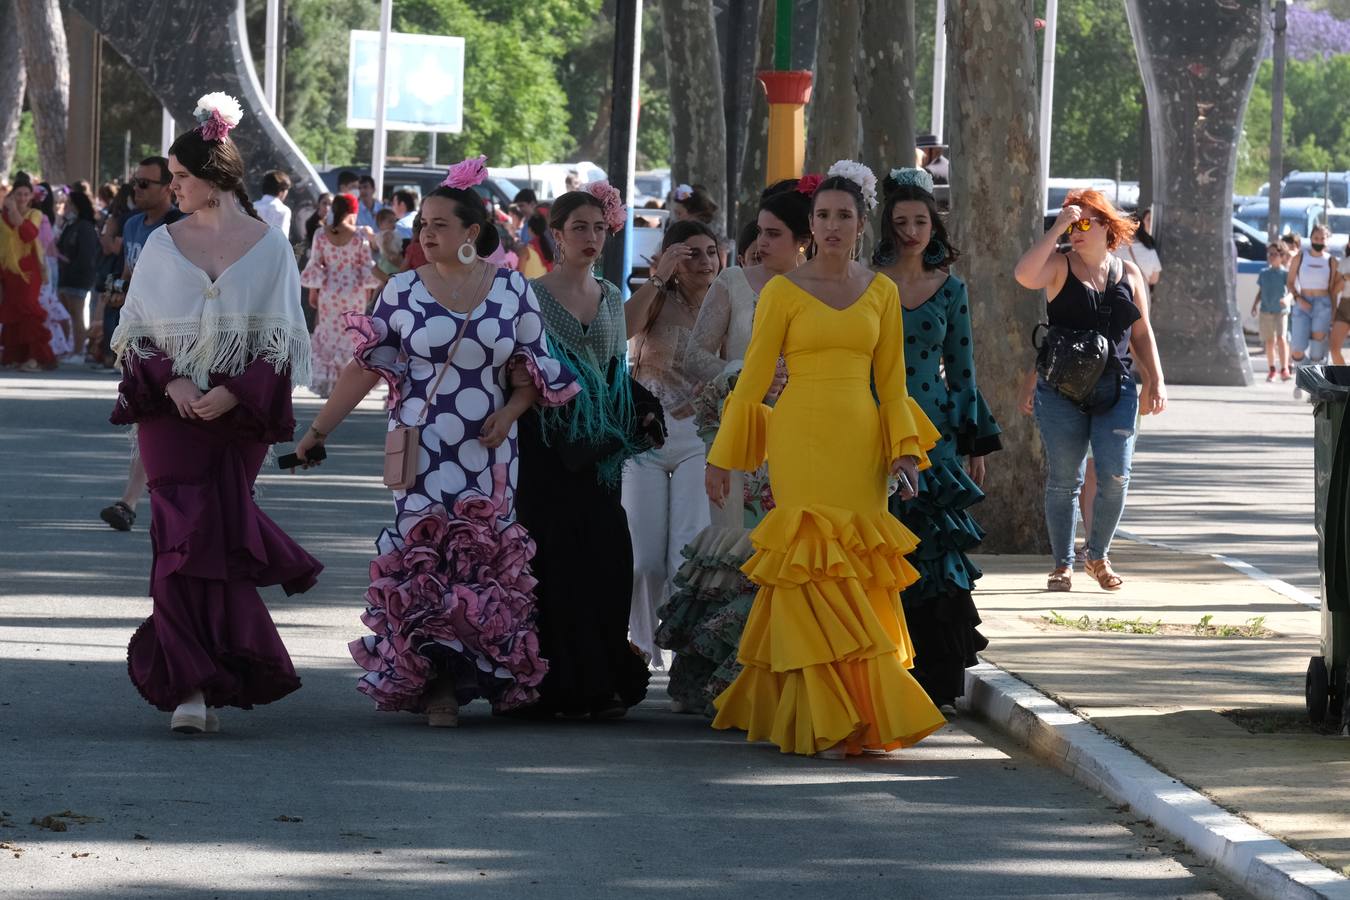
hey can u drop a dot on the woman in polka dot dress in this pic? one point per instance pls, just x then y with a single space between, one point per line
451 601
915 252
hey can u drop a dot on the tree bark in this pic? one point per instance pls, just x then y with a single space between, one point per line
44 51
885 83
833 130
995 177
698 129
1199 62
754 158
12 80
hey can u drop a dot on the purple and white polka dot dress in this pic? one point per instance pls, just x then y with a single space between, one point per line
451 593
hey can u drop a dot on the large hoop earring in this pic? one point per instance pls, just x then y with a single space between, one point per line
935 253
467 252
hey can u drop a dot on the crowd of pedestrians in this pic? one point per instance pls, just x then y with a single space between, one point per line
760 468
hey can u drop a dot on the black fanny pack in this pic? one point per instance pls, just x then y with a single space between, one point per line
1073 360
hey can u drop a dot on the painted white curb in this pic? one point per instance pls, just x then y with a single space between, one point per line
1260 863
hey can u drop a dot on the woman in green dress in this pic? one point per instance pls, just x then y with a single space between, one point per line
915 252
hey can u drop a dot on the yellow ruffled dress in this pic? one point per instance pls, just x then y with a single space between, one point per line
825 650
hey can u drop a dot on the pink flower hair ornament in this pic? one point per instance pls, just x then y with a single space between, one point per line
217 115
616 214
466 174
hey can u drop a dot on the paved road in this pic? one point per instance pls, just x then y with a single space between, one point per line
657 804
1230 470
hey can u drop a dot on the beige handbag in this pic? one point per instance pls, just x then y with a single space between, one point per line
400 444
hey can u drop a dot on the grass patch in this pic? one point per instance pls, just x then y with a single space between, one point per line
1277 721
1253 628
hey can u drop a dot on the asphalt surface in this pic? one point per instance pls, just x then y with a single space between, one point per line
318 795
1230 471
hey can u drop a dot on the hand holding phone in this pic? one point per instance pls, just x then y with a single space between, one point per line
291 461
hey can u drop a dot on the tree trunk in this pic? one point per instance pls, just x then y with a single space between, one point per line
833 129
596 142
12 78
995 177
754 158
45 56
698 128
885 82
1199 63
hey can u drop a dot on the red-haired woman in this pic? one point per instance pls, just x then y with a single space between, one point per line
1088 289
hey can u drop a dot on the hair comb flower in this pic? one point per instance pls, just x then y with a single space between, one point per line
616 214
683 192
39 193
860 175
217 115
919 178
807 184
466 174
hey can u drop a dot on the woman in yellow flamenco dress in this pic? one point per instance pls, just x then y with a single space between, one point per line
825 652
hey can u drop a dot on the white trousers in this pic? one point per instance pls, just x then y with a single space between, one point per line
667 507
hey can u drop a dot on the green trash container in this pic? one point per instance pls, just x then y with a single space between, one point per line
1327 687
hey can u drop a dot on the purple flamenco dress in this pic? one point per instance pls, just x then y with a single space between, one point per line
213 548
451 594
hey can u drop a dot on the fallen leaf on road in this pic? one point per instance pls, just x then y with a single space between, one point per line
49 823
139 837
288 819
5 845
79 855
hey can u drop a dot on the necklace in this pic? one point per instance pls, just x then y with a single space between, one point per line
463 280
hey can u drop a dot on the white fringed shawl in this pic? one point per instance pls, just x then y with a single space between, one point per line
252 310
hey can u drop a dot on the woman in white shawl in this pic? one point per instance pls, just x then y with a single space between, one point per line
210 340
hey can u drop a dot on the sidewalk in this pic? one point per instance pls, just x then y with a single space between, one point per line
1223 714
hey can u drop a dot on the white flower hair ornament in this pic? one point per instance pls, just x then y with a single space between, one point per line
217 115
683 192
860 175
919 178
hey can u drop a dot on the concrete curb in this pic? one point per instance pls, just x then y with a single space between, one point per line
1258 862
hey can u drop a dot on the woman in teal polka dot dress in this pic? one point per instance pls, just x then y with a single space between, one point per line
915 253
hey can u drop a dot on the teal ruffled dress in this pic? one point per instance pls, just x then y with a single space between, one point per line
939 610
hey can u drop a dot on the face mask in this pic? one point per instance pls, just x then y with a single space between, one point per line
1317 248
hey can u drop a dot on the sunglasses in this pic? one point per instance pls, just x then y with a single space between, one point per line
143 184
1081 225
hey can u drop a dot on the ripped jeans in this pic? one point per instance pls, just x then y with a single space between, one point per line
1067 432
1303 325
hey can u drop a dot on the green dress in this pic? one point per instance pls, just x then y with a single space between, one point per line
939 610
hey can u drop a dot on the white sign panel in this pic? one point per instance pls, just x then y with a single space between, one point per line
424 87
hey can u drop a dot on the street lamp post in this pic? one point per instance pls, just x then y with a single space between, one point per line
378 151
1277 118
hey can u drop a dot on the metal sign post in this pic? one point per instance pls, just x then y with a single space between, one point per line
378 151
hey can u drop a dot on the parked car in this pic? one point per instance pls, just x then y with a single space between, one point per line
1124 194
1297 215
1251 259
1318 184
422 180
653 184
1338 220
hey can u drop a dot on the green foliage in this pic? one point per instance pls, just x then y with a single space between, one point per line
1316 135
26 150
315 109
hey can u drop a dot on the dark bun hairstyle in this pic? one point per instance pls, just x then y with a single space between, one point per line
568 203
217 162
699 204
470 211
789 205
22 180
848 186
888 249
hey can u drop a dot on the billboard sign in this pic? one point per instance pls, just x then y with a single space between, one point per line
424 88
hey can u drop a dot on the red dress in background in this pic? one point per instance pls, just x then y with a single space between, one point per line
23 322
212 547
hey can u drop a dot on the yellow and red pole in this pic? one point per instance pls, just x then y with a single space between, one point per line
788 91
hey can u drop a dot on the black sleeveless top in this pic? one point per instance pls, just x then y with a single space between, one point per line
1076 306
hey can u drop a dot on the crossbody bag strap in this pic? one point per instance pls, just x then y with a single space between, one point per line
449 357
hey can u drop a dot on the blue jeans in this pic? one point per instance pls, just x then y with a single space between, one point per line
1303 325
1067 432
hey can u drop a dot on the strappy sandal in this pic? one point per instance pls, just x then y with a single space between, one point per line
1101 570
1060 580
119 516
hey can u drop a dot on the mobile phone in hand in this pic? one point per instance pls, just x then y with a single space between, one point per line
291 461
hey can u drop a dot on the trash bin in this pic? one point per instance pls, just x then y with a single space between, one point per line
1327 687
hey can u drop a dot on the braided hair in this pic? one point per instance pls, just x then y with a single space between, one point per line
217 162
